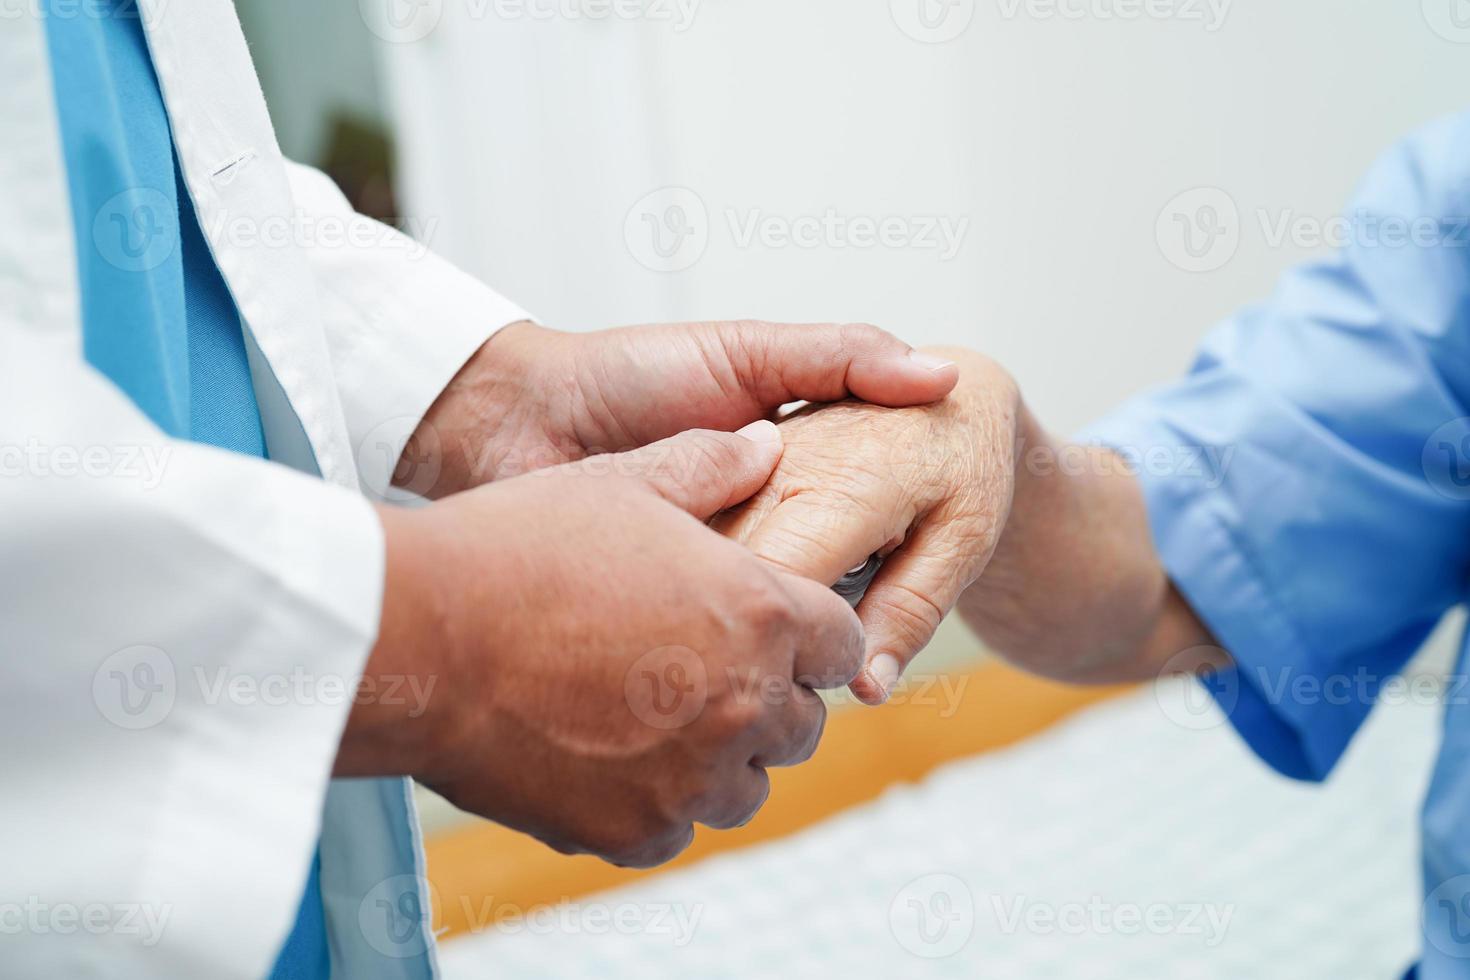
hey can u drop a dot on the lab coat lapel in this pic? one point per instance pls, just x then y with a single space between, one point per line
237 179
235 174
234 171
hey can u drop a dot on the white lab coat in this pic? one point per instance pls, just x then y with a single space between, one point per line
163 606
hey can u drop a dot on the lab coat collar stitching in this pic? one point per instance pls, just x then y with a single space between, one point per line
325 434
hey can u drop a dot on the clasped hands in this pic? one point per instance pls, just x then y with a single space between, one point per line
624 580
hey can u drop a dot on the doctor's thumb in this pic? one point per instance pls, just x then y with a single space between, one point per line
704 472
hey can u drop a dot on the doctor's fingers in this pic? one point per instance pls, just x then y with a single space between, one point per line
828 637
782 714
737 799
914 590
654 851
793 728
785 362
789 719
700 471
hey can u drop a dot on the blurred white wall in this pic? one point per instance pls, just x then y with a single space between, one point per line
314 59
1058 130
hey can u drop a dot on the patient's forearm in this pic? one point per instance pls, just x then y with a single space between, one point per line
1075 589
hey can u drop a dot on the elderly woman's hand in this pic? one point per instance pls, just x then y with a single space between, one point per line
927 488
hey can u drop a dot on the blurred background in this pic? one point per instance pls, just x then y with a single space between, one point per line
1076 187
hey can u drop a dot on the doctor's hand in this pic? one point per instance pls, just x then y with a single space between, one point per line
609 670
534 397
929 488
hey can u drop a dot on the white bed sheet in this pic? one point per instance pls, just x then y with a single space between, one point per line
1121 844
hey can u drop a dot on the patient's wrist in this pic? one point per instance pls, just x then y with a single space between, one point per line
1075 588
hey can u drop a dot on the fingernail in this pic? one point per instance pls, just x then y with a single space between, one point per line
929 362
884 671
762 431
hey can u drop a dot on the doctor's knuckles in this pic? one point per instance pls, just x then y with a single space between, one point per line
603 713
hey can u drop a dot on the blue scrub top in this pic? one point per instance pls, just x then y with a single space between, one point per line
1308 484
157 318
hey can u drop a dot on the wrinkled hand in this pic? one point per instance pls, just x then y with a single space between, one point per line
534 397
929 488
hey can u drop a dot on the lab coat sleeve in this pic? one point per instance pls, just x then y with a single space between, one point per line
183 629
400 321
1307 481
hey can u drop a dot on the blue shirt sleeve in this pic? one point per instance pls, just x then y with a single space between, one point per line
1308 482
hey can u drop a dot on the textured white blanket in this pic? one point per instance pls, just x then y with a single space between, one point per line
1122 845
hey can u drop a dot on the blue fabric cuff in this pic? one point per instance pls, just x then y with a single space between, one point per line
1275 698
